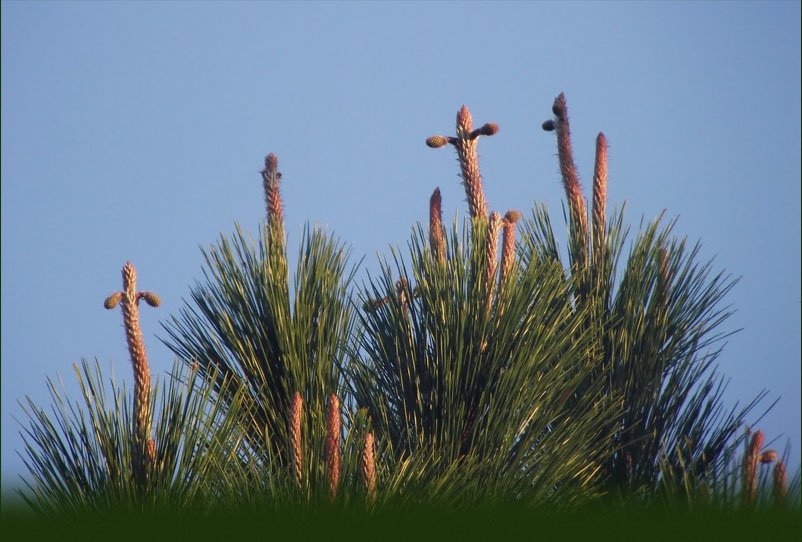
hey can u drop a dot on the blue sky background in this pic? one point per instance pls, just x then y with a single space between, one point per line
136 131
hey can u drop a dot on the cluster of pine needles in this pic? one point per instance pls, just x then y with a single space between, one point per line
542 381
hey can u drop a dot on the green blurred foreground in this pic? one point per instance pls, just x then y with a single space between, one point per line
486 523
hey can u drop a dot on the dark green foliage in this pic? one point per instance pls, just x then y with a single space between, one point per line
482 382
657 320
246 323
80 453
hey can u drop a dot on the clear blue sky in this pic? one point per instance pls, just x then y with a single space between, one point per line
136 131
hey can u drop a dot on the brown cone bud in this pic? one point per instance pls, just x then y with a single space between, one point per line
549 125
437 141
769 456
151 299
112 300
512 216
488 129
